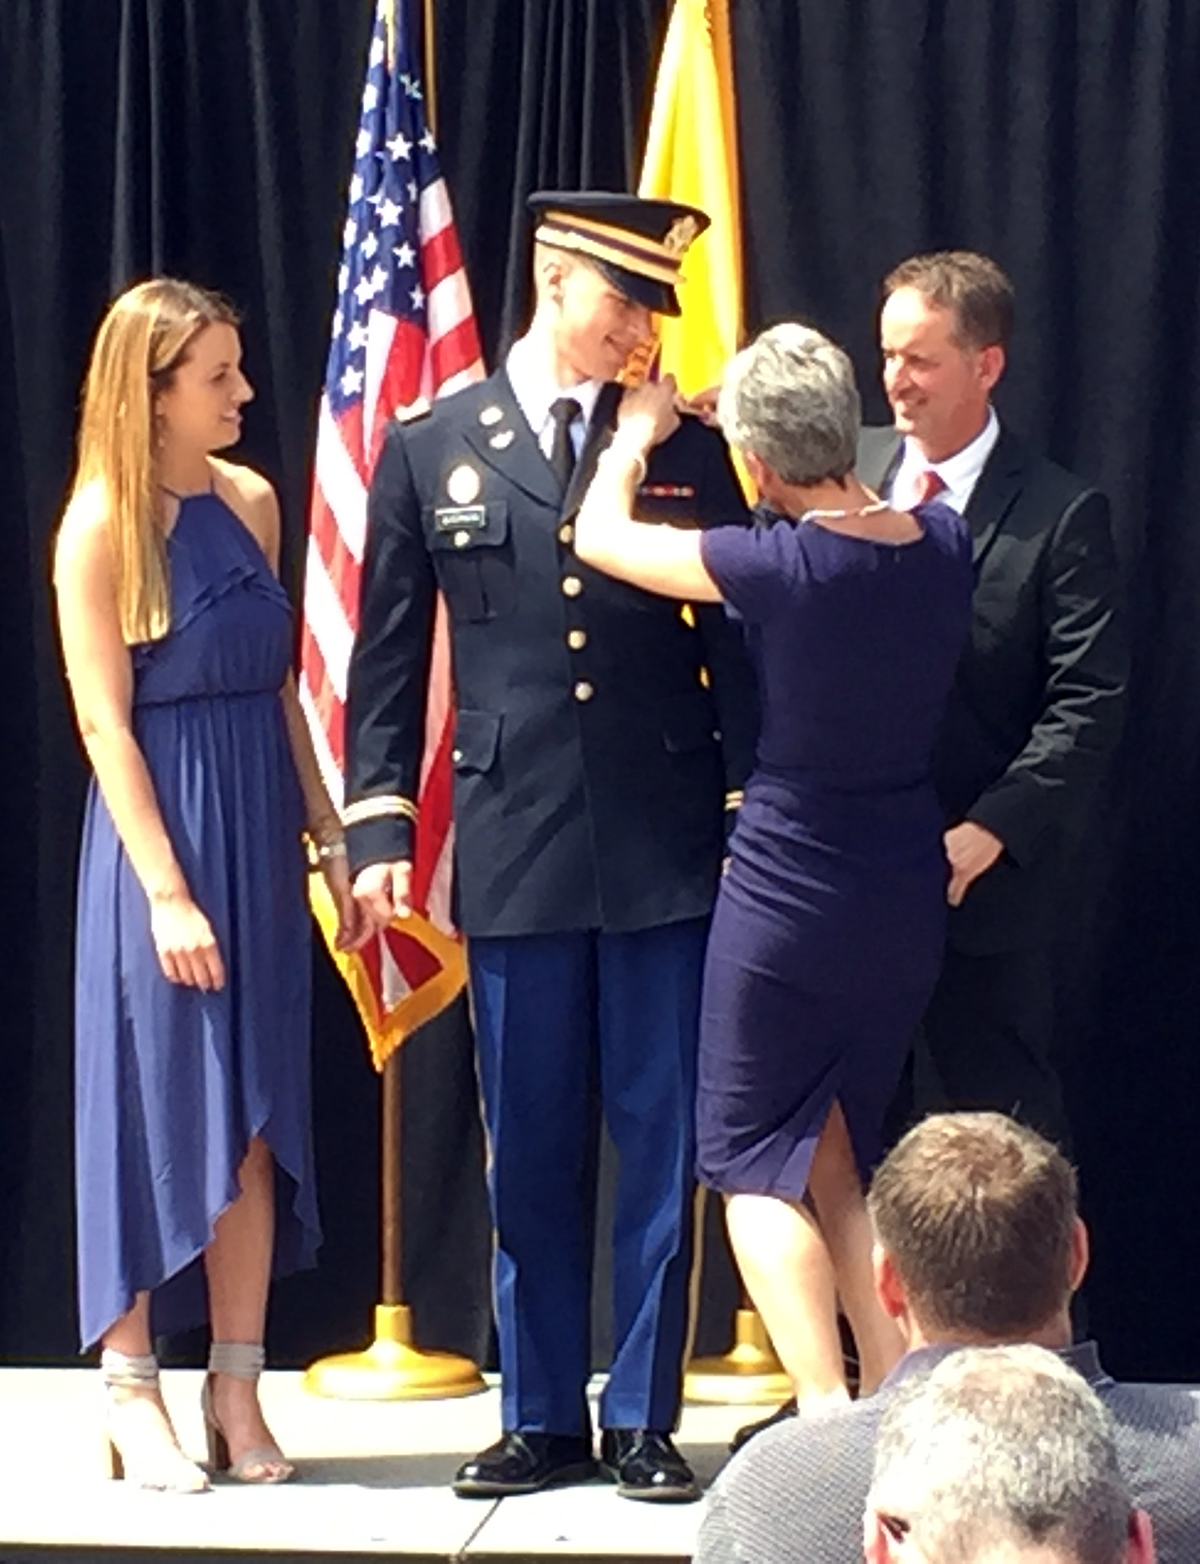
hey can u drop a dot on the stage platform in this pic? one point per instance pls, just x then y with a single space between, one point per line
375 1481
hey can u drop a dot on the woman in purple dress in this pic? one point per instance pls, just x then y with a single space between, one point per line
828 929
193 1135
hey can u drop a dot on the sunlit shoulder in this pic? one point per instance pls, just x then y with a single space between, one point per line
253 499
83 532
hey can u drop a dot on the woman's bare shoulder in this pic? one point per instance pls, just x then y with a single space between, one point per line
252 498
83 536
244 482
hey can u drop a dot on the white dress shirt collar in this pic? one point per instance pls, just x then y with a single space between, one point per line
960 472
536 393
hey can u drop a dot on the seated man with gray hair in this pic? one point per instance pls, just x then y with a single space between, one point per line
978 1243
1001 1455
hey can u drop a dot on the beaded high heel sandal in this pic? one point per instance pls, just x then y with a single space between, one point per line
265 1463
139 1452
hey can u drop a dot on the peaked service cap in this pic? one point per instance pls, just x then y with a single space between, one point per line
636 242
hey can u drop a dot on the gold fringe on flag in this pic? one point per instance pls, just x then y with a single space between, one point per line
387 1031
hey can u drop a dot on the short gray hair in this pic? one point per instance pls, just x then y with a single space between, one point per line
1001 1445
790 397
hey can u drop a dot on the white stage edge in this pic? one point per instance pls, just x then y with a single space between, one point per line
375 1480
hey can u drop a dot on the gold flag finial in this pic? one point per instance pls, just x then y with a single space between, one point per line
389 22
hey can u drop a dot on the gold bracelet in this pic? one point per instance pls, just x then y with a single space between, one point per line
320 853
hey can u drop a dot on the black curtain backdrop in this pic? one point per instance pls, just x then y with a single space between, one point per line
213 138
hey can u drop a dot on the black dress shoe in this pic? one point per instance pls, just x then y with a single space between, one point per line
646 1465
745 1434
525 1462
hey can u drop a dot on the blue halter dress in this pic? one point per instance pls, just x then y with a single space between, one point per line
172 1083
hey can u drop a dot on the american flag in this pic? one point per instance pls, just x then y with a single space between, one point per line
403 333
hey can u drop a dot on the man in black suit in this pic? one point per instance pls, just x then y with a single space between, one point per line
600 735
1037 705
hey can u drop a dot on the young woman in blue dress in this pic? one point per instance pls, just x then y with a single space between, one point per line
193 1133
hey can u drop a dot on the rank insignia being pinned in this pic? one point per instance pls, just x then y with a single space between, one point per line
490 415
501 440
463 484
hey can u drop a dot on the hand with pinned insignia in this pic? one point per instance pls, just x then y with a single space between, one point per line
654 556
383 891
704 406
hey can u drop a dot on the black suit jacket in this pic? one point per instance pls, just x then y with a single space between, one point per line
1038 699
598 730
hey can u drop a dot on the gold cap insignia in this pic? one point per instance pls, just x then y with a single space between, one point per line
680 234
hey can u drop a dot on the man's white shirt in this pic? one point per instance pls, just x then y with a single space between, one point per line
960 472
536 395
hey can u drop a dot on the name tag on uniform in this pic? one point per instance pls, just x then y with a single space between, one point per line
456 518
667 491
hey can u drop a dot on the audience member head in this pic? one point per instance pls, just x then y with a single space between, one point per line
132 403
978 1233
1001 1455
944 330
790 404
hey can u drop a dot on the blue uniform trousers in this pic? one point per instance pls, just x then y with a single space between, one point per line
566 1023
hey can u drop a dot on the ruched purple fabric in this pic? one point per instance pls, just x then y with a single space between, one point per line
829 925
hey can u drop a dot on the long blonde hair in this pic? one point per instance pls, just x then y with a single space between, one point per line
142 341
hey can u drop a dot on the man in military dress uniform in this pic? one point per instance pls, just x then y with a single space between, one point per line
600 735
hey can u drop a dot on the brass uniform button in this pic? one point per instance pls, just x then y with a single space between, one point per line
577 640
566 533
572 586
461 539
456 755
584 691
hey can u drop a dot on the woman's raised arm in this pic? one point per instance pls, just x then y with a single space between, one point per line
655 556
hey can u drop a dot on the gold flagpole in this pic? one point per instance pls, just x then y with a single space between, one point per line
393 1368
691 156
430 40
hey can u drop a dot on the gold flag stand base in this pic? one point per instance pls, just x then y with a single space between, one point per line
392 1369
749 1374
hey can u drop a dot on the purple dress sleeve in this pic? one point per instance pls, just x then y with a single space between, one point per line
754 567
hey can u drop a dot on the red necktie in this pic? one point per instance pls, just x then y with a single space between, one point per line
929 485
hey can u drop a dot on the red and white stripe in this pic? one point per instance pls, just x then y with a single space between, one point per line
406 370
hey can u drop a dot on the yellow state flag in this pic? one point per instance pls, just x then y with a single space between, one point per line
691 156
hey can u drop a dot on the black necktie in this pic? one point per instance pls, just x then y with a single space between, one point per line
564 412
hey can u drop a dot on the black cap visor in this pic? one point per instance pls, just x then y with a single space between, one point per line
657 296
